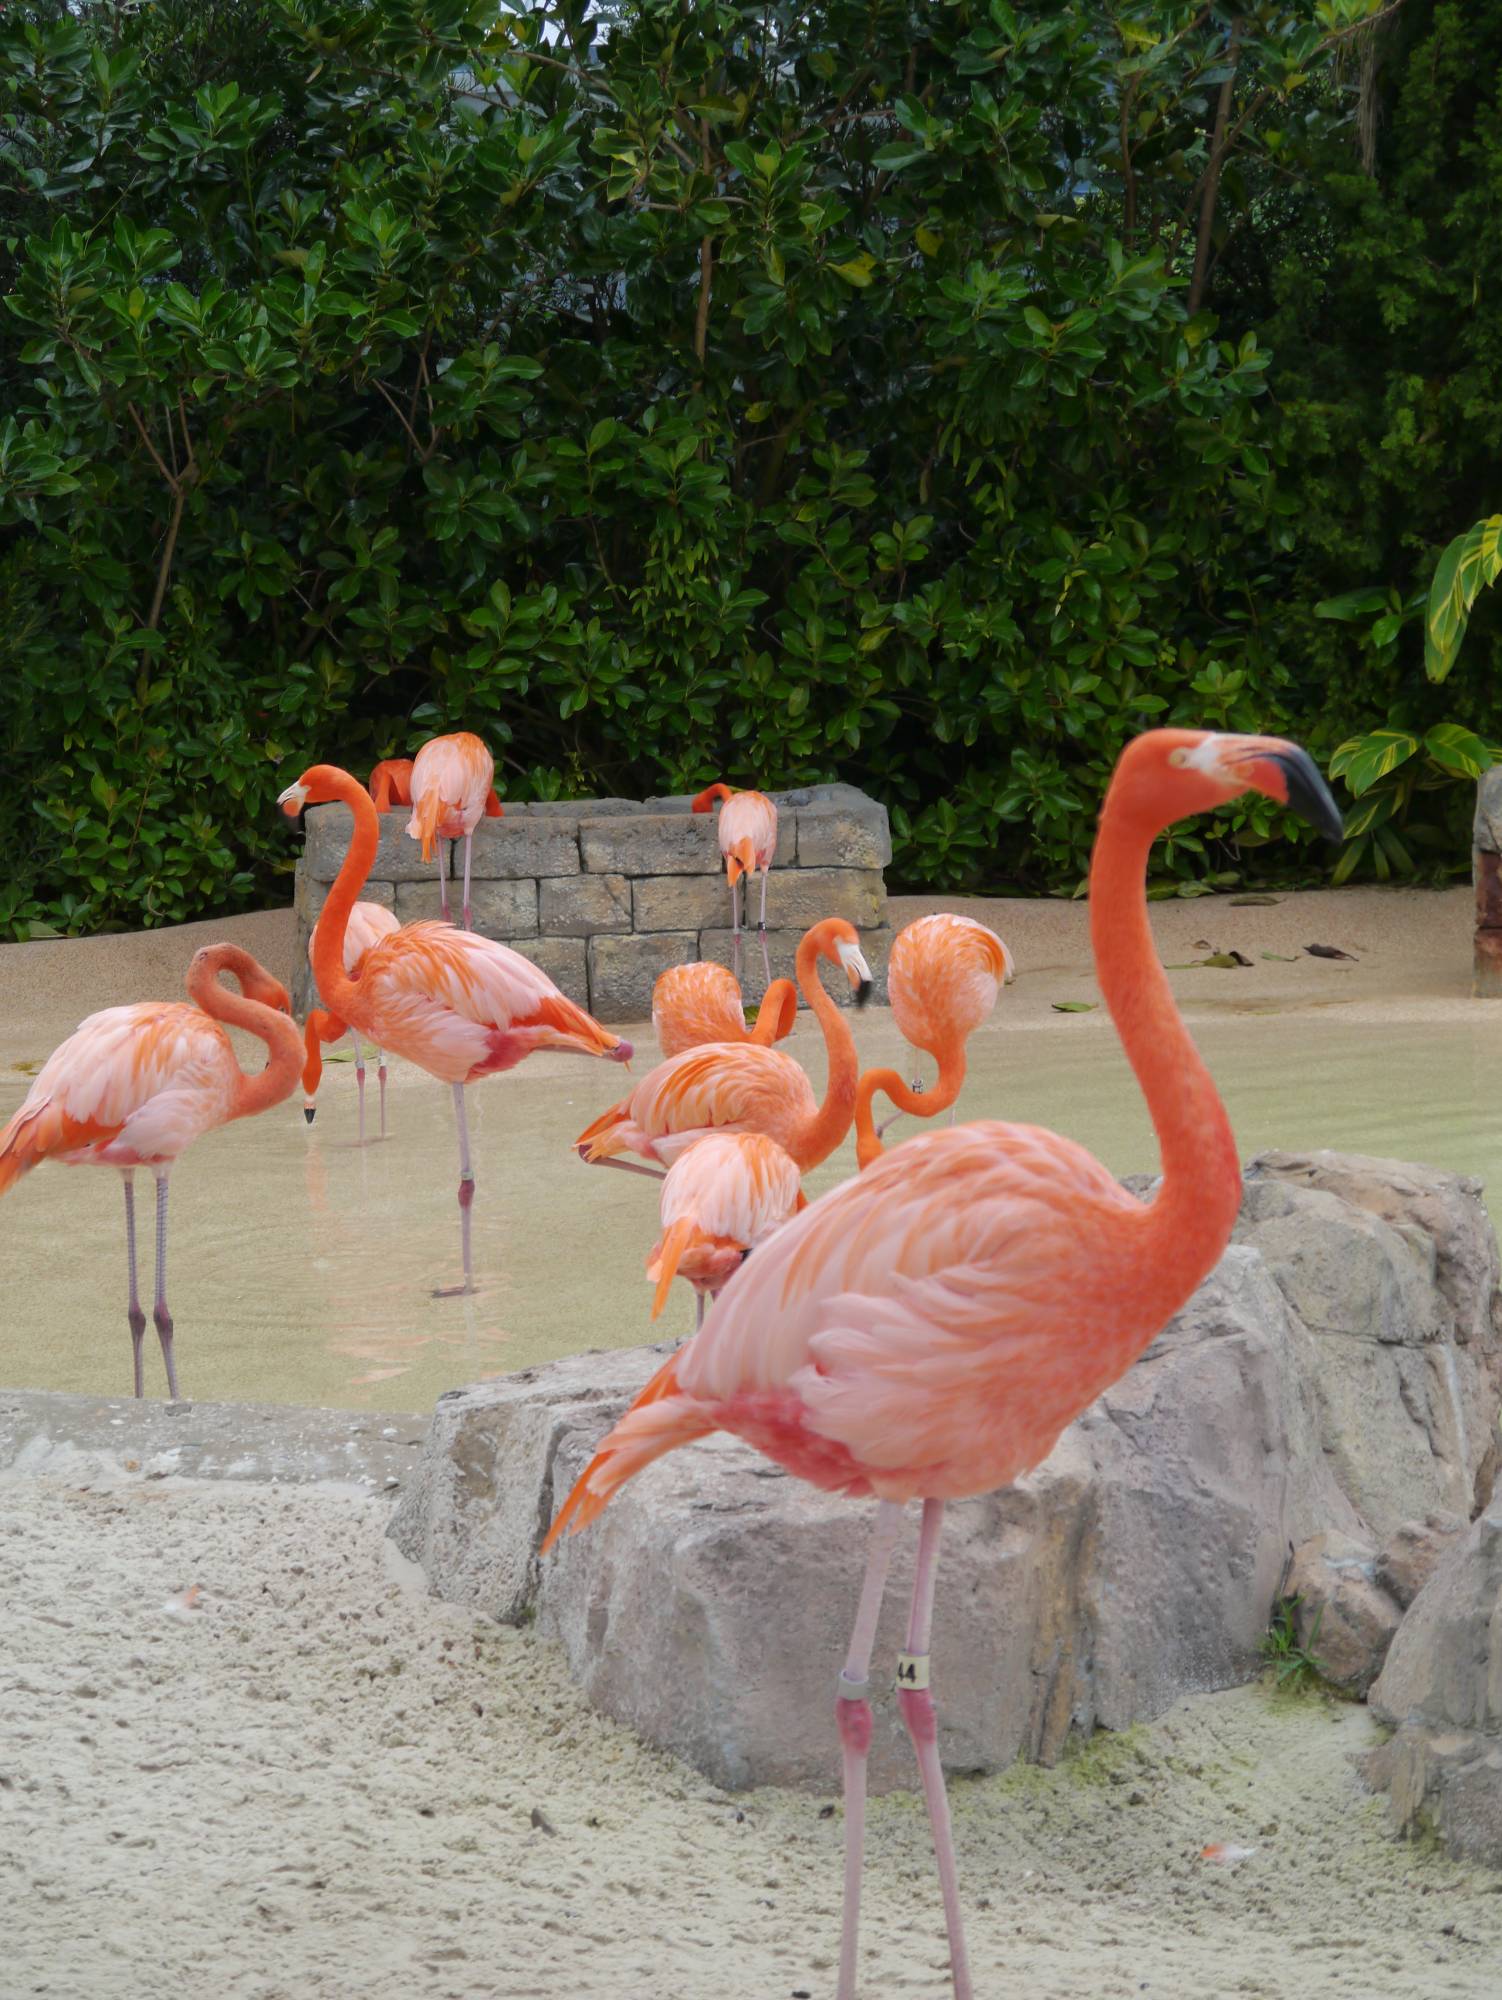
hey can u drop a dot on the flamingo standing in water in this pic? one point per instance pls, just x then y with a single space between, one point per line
135 1086
391 783
942 979
452 791
459 1006
748 841
368 922
743 1087
927 1330
719 1200
701 1002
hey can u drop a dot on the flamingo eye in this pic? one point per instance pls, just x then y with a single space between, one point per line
1178 758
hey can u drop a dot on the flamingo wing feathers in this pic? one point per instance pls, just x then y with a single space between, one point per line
451 782
748 832
943 977
693 1004
368 924
722 1086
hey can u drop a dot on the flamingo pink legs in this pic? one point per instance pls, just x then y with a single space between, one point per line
360 1080
443 880
466 1200
917 1706
735 930
161 1317
761 930
468 840
134 1313
381 1079
853 1714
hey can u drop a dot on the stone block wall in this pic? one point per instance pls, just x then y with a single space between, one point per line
604 894
1486 869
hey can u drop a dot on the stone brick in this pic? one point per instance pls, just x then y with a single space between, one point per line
844 834
680 843
782 948
562 959
799 897
1487 869
500 908
1487 832
623 971
581 905
398 856
574 808
681 902
1486 982
524 844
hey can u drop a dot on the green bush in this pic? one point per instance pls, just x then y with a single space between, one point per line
691 390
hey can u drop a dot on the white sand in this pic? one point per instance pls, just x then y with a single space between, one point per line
321 1784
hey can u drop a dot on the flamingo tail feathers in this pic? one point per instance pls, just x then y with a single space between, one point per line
605 1137
38 1130
677 1238
657 1422
424 822
741 860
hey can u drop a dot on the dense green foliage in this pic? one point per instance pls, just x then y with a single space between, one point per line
697 389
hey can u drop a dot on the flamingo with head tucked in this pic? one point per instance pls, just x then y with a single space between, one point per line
719 1200
943 977
135 1086
928 1330
458 1005
367 923
452 791
391 783
748 841
743 1087
701 1002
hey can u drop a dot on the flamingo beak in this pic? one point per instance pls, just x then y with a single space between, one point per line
293 799
622 1052
1308 794
856 970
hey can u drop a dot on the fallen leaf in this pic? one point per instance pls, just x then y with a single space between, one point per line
1326 951
1242 902
1073 1006
1225 959
541 1821
1287 957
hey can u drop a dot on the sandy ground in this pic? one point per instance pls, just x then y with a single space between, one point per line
319 1785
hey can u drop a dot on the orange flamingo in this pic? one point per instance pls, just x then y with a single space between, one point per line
391 783
452 791
748 841
942 979
701 1002
743 1087
135 1086
929 1329
720 1199
368 922
459 1006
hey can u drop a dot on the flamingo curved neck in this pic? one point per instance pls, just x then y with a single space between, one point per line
1195 1208
831 1122
338 990
277 1030
919 1104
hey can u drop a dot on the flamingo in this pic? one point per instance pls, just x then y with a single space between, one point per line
719 1200
367 923
701 1002
748 841
743 1087
459 1006
942 979
927 1330
135 1086
391 783
452 791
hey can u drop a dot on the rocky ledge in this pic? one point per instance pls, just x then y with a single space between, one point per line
1338 1376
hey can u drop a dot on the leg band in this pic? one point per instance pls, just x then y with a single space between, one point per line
912 1672
849 1690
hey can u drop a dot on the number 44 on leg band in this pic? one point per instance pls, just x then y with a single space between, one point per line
912 1671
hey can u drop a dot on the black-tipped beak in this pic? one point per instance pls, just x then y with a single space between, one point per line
863 992
1308 794
309 1112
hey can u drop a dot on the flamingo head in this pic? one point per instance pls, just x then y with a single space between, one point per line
1168 774
840 944
318 784
254 981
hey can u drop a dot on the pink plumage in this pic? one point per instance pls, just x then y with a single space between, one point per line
451 781
719 1200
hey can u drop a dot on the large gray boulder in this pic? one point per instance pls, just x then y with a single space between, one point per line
709 1606
1441 1689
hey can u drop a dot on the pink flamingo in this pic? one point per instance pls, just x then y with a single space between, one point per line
391 783
368 922
452 791
743 1087
748 841
720 1199
459 1006
701 1002
929 1329
135 1086
943 978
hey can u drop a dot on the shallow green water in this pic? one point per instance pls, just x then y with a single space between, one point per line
302 1268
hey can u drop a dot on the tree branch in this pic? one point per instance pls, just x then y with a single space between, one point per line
1218 150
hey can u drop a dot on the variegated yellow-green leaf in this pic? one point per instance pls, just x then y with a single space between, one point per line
1468 565
1362 760
1373 811
858 271
1458 749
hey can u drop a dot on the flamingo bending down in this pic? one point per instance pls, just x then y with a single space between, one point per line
743 1087
135 1086
391 783
452 791
927 1330
367 923
943 978
719 1200
748 841
459 1006
701 1002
